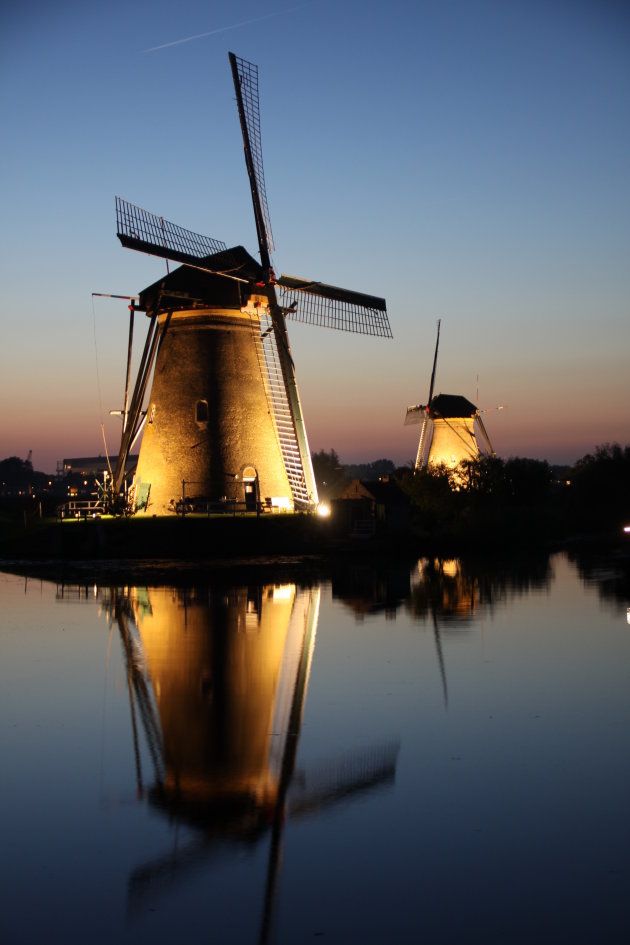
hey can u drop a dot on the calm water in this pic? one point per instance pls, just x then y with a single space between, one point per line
436 753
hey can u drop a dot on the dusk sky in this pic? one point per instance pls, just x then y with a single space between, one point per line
466 159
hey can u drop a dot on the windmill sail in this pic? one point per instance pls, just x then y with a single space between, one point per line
139 229
292 429
245 76
437 345
419 413
426 433
415 414
283 414
424 445
484 434
316 303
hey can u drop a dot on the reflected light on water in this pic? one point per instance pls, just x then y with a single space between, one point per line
360 758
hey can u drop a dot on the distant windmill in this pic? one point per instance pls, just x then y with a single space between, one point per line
224 411
451 427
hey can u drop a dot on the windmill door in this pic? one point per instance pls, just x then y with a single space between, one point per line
250 480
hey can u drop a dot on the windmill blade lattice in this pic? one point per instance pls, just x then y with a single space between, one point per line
139 229
280 408
415 414
245 75
316 303
426 436
348 776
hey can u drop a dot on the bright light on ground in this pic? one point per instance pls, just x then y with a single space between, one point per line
323 510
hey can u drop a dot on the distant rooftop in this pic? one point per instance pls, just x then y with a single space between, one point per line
91 464
452 405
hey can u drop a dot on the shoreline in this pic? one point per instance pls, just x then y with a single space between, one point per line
296 548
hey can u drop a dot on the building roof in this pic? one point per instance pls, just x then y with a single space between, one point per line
186 286
78 463
451 405
382 491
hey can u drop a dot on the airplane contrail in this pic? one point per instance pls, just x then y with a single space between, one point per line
223 29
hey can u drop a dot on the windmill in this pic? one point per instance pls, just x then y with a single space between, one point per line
451 427
224 413
217 681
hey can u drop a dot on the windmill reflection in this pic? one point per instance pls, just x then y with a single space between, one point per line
217 682
453 592
450 593
225 670
441 589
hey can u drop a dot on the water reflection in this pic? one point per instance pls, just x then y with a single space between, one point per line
447 590
217 684
454 591
605 568
520 788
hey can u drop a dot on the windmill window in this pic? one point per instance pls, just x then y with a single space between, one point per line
201 411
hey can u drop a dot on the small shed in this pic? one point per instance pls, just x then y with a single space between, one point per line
366 507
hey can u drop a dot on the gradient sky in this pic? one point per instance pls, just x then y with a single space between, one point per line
466 159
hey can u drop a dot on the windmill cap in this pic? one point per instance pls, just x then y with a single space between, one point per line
198 285
452 405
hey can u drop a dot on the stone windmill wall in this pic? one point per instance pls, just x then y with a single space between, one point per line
209 418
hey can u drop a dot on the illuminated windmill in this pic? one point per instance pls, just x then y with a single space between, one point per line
451 427
224 411
217 683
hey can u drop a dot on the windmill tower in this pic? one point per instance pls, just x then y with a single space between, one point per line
224 413
452 427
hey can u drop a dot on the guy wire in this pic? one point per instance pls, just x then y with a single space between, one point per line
98 377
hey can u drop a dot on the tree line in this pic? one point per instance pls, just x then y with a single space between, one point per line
17 477
489 493
595 490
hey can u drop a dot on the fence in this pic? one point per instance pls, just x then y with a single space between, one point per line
80 508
